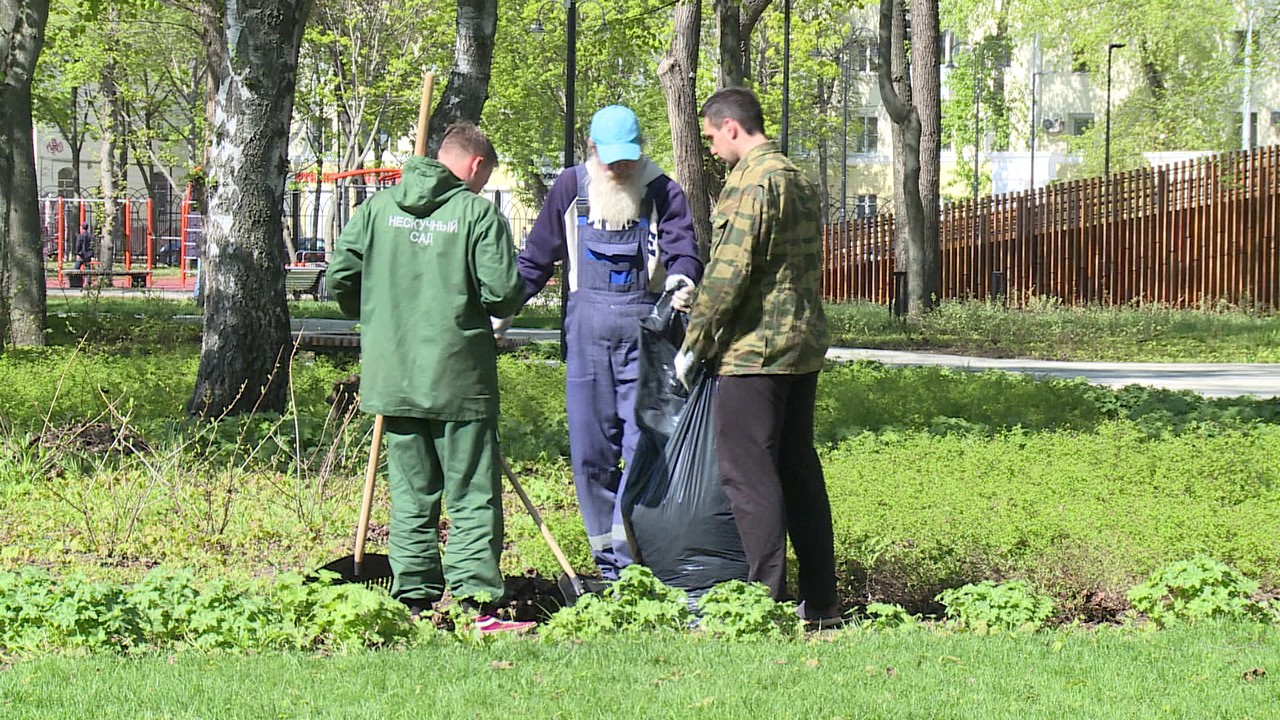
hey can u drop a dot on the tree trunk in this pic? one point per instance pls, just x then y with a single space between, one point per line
76 139
107 224
244 358
925 269
468 86
736 20
904 114
22 292
732 48
26 252
899 70
677 71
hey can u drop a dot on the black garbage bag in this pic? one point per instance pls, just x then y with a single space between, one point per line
677 515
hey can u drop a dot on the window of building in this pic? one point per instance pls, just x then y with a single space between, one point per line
864 207
1080 124
863 56
863 135
66 182
1253 130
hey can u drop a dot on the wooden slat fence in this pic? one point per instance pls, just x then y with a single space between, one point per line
1186 234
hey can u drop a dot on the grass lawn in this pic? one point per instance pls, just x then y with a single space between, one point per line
1049 331
1207 671
937 478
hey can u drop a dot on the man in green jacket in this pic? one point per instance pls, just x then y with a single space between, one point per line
758 322
423 265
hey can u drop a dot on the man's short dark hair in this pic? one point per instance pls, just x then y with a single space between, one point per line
469 139
737 103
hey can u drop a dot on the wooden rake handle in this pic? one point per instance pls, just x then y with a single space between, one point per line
370 474
424 114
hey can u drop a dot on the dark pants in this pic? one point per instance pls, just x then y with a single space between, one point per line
772 475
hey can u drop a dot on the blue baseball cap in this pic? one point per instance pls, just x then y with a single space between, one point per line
616 134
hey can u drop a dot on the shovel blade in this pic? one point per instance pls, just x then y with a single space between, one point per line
573 588
374 571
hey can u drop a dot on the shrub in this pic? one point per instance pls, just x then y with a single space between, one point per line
737 610
637 602
988 607
1197 589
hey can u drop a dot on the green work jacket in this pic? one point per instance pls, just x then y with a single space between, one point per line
423 265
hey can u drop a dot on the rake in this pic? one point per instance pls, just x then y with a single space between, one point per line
375 570
368 570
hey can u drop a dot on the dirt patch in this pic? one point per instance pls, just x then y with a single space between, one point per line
95 438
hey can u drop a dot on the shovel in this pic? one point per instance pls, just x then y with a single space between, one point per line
569 584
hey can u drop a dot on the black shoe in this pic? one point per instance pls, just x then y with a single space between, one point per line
828 619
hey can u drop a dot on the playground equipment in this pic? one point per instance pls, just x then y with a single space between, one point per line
319 207
65 215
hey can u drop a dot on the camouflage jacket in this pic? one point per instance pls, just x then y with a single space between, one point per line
759 309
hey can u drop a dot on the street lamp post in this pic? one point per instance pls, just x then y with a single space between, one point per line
1106 163
784 136
570 129
1035 124
844 133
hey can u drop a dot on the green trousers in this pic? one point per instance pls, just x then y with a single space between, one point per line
459 459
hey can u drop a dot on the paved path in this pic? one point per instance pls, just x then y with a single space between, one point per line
1210 379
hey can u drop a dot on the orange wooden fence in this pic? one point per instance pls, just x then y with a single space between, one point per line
1199 231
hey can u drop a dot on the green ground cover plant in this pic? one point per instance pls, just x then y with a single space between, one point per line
939 478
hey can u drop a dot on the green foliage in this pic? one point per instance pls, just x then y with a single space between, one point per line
637 602
1081 515
988 607
1197 589
888 616
169 610
532 424
737 610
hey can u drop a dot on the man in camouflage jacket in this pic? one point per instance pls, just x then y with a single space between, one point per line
758 322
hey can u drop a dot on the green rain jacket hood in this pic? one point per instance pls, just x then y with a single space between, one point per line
423 265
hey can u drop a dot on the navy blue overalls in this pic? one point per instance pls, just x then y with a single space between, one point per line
602 368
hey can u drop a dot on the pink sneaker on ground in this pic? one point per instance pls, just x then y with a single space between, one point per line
489 624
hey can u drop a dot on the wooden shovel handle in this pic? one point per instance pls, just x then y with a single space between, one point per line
537 520
424 114
362 529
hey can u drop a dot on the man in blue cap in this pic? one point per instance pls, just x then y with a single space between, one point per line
624 230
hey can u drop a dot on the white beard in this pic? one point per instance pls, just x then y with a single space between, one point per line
613 202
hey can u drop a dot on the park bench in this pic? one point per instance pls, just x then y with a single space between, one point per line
302 280
137 278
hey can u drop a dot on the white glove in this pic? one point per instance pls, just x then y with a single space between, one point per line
501 326
684 368
682 297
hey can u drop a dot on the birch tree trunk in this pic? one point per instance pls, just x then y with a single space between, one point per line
22 291
468 86
252 46
677 71
108 223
